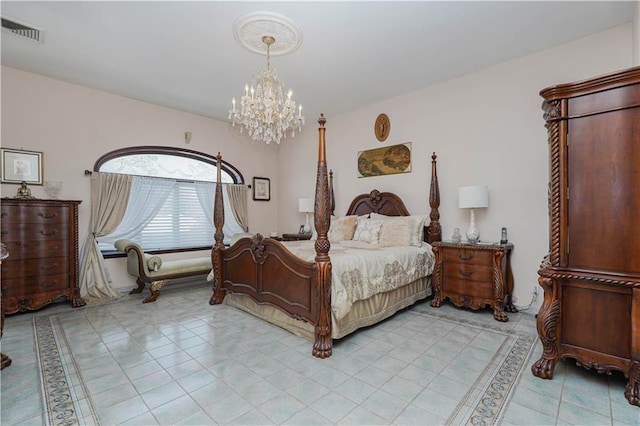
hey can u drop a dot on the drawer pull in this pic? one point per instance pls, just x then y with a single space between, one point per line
462 257
51 284
48 234
44 216
4 288
465 273
4 232
49 267
4 214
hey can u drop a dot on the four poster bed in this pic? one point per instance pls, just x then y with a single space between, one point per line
298 286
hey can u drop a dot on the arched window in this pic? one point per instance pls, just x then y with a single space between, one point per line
171 201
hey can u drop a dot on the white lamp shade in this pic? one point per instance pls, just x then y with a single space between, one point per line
470 197
305 205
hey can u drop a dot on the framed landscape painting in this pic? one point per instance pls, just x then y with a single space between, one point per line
385 161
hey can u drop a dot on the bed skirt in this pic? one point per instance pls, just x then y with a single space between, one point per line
362 313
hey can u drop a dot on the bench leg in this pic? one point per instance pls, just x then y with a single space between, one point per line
139 289
154 288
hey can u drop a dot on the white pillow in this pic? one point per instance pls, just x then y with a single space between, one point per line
397 231
368 230
417 236
342 228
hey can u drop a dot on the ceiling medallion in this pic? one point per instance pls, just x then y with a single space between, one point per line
382 127
249 30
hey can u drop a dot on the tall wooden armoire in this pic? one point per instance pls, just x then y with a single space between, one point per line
591 276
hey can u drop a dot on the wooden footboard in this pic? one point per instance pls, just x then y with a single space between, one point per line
267 272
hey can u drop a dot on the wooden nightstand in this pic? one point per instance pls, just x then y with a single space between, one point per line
474 276
295 237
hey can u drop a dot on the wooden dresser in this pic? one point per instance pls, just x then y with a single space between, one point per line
474 276
591 275
42 241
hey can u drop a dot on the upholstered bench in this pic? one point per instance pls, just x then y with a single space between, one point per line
154 271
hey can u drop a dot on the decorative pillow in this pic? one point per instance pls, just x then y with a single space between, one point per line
368 231
342 228
418 223
153 262
397 231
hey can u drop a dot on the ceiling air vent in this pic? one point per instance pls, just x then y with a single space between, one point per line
22 30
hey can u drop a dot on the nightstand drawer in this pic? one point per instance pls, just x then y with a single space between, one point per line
466 255
462 287
470 272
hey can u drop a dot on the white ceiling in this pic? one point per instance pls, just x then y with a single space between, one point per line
184 55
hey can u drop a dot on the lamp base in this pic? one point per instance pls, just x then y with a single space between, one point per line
473 234
307 226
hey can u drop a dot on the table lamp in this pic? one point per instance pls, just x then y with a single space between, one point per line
473 197
305 205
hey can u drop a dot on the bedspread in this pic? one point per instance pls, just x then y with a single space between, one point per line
360 270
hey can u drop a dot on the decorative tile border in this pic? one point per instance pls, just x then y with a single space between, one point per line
62 403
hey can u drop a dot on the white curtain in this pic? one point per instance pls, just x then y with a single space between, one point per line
148 195
238 203
109 198
206 192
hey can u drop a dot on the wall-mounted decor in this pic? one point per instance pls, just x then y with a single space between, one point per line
385 161
21 166
382 127
261 189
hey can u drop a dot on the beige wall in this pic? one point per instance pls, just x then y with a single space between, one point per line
73 126
636 35
485 127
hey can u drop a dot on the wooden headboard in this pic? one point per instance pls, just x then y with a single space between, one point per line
386 203
390 204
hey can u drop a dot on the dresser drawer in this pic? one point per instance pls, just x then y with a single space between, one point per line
34 232
465 255
470 272
34 267
34 214
19 287
19 250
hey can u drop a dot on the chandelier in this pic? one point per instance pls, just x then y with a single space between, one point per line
265 113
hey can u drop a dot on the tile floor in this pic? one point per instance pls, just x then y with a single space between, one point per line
178 362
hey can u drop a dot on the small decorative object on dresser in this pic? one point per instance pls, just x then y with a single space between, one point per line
53 188
474 276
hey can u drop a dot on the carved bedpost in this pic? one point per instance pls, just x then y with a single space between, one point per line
435 229
323 345
218 221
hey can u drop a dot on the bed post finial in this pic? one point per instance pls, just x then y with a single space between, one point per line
435 229
323 343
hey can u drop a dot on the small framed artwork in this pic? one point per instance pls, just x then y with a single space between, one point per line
261 189
21 166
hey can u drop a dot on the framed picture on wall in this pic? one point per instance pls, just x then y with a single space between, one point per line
261 189
21 166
